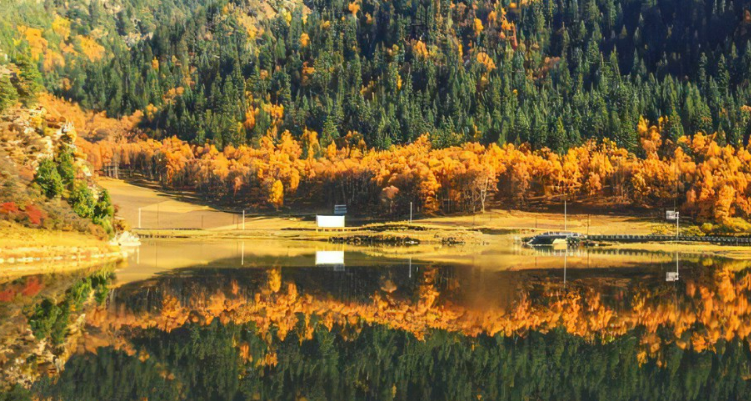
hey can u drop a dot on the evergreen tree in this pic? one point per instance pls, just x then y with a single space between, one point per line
48 179
8 94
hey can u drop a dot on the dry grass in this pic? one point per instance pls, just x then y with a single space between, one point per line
164 211
495 229
15 236
537 221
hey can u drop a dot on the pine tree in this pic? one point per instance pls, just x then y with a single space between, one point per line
48 179
29 80
8 93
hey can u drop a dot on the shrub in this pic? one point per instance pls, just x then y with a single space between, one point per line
66 168
9 208
44 318
34 215
707 228
48 179
82 201
734 225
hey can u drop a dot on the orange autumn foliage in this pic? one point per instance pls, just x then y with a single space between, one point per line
353 8
708 181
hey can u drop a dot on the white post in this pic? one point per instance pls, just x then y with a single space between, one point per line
243 220
410 212
565 214
139 217
677 224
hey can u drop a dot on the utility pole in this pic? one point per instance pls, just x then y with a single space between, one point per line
565 266
588 223
565 214
677 224
410 212
243 219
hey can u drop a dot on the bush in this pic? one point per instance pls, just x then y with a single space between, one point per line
707 228
734 225
34 215
82 201
9 209
48 179
692 231
66 168
44 318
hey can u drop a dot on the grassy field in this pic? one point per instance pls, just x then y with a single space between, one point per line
171 215
164 211
168 215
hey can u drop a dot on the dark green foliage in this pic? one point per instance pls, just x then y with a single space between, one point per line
104 211
44 318
48 178
66 168
16 393
8 93
29 82
380 363
51 320
82 200
595 68
56 179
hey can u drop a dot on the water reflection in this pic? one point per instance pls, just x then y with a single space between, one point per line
287 323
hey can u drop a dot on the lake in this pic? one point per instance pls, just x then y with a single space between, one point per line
258 320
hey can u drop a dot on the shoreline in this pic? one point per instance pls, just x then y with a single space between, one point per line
27 251
65 260
380 235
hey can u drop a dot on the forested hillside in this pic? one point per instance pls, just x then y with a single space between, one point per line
552 73
45 181
281 103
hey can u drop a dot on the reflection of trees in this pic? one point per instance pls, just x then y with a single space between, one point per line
708 306
40 320
217 361
297 334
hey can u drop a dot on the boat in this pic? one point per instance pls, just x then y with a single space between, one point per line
554 239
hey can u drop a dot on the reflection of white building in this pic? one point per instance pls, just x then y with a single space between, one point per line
330 258
673 276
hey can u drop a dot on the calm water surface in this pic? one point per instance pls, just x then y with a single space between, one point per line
292 321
